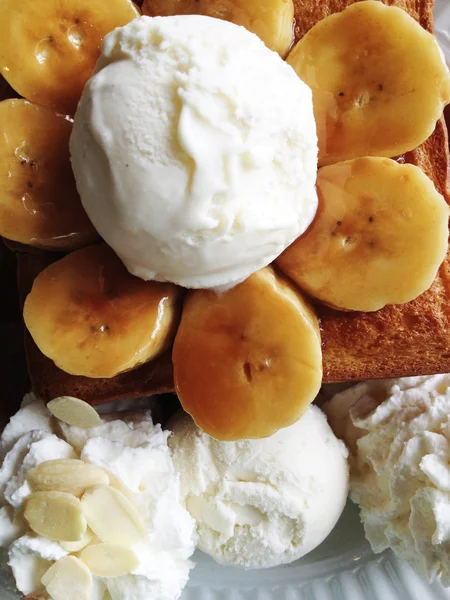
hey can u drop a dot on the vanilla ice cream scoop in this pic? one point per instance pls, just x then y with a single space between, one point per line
399 433
194 149
262 503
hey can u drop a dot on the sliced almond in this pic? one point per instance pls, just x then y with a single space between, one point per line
112 517
117 484
56 516
108 560
73 547
71 476
74 411
68 579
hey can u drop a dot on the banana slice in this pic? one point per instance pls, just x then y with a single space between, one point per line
247 362
271 20
39 203
379 81
48 48
379 237
89 315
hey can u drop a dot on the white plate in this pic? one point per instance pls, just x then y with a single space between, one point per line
442 19
342 568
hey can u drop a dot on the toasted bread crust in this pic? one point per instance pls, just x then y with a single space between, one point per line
401 340
309 12
397 341
48 381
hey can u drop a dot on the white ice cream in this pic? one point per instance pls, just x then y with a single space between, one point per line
137 454
261 503
194 148
399 433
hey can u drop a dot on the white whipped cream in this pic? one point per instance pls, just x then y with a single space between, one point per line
400 437
261 503
29 451
137 454
33 415
11 526
194 148
29 558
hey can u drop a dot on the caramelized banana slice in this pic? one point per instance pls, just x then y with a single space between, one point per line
48 48
271 20
379 236
379 81
92 318
247 362
39 203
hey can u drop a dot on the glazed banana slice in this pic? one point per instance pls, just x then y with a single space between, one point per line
247 362
271 20
39 202
92 318
48 48
379 237
379 81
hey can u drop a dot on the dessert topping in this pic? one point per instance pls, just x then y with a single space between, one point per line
73 547
377 222
379 81
108 560
68 579
56 516
43 504
72 476
112 517
74 411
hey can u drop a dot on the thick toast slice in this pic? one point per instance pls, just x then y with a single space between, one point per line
400 340
403 340
48 381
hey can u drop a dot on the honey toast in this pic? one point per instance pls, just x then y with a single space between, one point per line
400 340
